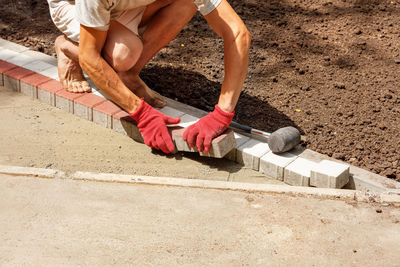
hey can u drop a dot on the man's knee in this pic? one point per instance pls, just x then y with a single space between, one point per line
122 56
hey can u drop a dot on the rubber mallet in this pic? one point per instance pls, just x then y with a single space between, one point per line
282 140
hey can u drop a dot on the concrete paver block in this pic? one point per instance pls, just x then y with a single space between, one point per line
249 153
4 44
38 66
51 73
298 172
40 56
29 84
6 54
220 146
83 106
123 123
21 60
102 114
46 91
65 100
240 140
4 67
273 165
330 174
187 120
12 78
171 112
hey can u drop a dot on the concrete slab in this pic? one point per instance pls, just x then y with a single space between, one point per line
102 113
47 90
6 54
329 174
171 112
4 44
273 165
187 120
220 146
21 60
298 172
51 73
40 57
249 153
38 66
240 140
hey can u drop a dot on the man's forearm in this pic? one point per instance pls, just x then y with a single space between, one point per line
108 81
236 54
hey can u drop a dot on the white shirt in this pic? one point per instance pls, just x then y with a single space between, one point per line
98 13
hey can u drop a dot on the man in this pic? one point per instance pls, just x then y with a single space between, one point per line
112 40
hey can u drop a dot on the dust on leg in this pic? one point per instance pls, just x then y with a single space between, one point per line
69 70
140 88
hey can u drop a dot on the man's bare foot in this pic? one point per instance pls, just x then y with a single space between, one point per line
139 88
69 71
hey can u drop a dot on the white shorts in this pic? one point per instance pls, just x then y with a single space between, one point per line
64 17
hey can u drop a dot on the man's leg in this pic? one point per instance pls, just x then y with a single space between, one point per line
69 71
163 20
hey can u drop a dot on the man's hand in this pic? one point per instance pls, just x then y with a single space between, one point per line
153 126
207 128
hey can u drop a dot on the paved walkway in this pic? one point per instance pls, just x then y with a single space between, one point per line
64 222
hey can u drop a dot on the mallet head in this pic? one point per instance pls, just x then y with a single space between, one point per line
284 139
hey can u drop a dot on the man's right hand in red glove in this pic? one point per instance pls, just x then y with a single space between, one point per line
153 126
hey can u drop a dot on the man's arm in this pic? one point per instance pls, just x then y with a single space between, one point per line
103 75
228 25
151 123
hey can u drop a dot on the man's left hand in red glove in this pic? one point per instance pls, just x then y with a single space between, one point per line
207 128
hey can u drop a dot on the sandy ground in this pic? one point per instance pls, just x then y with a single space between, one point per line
34 134
64 222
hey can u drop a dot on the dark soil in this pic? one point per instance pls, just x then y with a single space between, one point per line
329 68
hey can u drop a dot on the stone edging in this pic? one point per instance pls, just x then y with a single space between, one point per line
35 74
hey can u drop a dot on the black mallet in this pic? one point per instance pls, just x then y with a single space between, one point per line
282 140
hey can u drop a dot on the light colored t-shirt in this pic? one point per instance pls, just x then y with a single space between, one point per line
98 13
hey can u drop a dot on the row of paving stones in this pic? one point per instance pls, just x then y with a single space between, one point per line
35 75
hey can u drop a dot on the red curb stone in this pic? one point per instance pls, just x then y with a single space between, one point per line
83 106
123 115
65 100
11 78
46 91
102 114
18 73
51 86
90 100
108 108
5 66
35 79
28 84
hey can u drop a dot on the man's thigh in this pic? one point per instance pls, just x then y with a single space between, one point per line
122 48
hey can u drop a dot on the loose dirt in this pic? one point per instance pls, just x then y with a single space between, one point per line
329 68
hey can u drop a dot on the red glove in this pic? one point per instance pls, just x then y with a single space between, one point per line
153 126
207 128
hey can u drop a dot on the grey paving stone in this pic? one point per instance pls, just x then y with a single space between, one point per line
298 172
249 153
273 165
330 174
